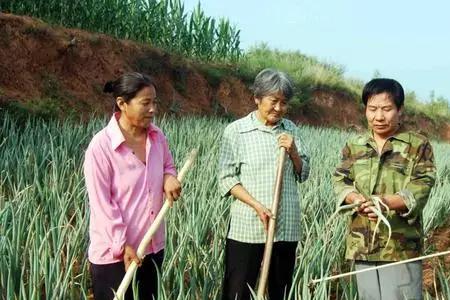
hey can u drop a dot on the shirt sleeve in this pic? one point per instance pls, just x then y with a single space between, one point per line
304 156
342 177
228 162
169 166
418 188
97 172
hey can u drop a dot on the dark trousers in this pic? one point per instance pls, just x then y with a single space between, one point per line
243 263
107 277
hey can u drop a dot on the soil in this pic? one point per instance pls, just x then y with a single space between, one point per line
439 241
64 70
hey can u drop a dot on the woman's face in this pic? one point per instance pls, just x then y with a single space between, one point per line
141 109
382 115
272 108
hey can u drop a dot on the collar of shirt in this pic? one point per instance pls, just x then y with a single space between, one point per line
367 138
115 133
251 122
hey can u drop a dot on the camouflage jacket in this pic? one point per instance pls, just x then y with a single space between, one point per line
405 167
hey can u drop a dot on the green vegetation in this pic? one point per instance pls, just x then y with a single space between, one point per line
437 108
44 212
162 23
42 108
307 71
310 74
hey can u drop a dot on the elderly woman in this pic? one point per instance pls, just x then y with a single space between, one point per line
128 167
248 163
397 166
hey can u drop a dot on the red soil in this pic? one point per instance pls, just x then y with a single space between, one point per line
41 62
440 241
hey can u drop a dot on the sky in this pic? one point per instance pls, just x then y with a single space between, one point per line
405 40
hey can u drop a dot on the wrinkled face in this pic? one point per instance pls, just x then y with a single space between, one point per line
272 108
141 109
382 115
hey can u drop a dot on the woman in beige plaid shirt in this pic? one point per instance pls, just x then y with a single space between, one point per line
247 171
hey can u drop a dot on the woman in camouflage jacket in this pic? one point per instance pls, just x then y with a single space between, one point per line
397 166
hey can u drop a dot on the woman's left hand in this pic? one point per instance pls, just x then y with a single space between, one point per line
129 255
172 188
287 141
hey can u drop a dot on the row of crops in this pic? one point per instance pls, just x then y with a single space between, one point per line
44 213
162 23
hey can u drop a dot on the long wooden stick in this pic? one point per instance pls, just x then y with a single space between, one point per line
120 293
272 224
380 267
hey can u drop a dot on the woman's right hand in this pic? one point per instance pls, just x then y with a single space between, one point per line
129 255
264 214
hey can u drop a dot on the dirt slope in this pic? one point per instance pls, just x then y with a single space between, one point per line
64 70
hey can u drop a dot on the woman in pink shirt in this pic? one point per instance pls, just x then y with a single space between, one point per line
128 169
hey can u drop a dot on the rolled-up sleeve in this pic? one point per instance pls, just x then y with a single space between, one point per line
228 162
342 177
106 217
418 188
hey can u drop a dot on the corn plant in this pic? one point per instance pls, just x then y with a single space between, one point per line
162 23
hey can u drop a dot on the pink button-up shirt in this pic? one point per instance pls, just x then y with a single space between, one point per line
125 195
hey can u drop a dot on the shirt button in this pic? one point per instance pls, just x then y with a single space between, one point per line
151 212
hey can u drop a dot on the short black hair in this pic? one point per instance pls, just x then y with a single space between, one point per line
384 85
127 86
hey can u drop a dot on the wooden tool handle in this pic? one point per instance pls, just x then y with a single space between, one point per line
272 225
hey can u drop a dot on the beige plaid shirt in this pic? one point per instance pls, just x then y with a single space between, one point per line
249 156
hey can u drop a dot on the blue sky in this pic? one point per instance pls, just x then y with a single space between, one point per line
405 40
